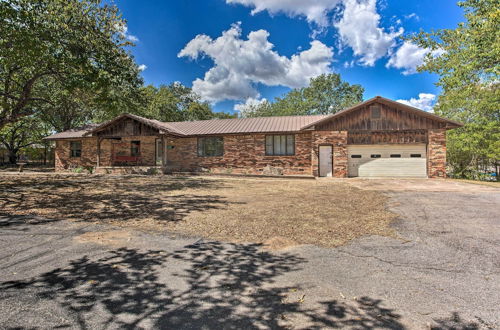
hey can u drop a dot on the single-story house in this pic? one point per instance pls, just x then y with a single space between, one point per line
376 138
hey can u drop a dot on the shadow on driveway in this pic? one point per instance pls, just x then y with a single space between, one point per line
221 286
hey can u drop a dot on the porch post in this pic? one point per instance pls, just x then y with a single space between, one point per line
98 151
163 151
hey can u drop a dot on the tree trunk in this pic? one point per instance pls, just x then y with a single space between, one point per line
497 170
12 157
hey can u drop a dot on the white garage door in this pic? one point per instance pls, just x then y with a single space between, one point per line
395 160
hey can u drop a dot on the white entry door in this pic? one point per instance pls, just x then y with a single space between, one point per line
325 161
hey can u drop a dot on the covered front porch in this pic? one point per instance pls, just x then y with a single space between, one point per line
130 142
130 151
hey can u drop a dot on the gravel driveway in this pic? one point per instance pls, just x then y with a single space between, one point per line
443 272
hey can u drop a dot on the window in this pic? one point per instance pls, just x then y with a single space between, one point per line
210 146
375 112
395 156
375 156
355 156
75 148
280 145
135 148
415 155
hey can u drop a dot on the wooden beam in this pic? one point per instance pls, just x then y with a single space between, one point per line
163 151
98 151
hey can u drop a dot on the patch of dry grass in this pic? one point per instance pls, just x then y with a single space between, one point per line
279 212
495 184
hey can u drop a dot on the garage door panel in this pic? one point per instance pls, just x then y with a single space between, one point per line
403 167
387 160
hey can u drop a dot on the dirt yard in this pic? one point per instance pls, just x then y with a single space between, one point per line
276 212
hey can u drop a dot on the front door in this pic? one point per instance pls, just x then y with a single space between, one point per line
159 152
325 161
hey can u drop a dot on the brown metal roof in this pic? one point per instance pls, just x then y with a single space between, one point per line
73 133
204 127
244 125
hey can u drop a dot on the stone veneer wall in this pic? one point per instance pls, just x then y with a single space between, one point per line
337 139
89 151
436 153
88 157
243 154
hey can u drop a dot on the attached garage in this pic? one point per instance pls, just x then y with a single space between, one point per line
381 138
398 160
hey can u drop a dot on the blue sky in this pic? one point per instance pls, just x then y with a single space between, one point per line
255 49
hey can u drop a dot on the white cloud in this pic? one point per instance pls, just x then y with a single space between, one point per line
409 56
123 30
240 64
424 102
250 104
359 29
413 15
349 64
358 22
142 67
313 10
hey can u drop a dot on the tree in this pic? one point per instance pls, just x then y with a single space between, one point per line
80 42
469 70
68 109
175 102
21 134
326 94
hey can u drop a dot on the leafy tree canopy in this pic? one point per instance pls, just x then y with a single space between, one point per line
469 70
23 133
176 102
325 94
80 43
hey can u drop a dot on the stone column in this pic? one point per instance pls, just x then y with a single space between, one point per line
436 153
340 155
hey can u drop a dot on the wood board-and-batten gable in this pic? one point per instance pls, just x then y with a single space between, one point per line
125 126
381 121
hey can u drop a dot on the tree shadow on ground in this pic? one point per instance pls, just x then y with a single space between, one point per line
7 220
208 285
115 199
455 322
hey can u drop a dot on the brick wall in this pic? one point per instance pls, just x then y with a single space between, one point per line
89 151
436 153
243 154
337 139
88 156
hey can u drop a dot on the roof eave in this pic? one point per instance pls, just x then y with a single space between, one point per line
161 129
455 124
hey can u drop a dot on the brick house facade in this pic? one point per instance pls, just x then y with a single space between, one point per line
242 144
